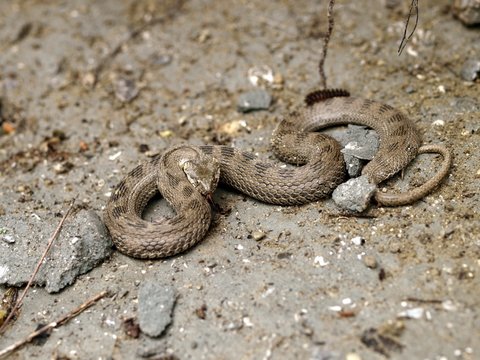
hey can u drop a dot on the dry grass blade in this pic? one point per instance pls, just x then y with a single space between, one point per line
8 350
403 43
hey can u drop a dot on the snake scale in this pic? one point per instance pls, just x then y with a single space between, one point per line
186 176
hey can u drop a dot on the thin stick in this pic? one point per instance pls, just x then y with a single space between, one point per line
326 40
53 324
39 264
405 39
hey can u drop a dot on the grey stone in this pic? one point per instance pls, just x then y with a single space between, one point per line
126 89
82 244
161 59
410 89
254 100
155 306
361 142
472 128
468 11
323 354
471 70
354 165
355 194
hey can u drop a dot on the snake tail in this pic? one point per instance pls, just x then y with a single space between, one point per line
321 95
418 193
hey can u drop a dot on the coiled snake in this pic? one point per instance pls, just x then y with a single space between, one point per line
187 175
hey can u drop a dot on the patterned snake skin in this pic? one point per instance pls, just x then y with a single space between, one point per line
187 175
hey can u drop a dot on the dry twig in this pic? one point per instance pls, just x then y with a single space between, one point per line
326 40
44 329
403 43
37 268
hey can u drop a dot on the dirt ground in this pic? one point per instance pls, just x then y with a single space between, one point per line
89 89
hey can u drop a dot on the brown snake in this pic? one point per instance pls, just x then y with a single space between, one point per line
187 175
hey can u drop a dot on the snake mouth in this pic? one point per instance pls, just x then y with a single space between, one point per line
214 205
209 197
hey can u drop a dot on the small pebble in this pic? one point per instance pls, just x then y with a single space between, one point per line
143 148
395 248
63 167
471 70
8 239
358 240
370 261
126 89
353 356
410 89
415 313
438 122
161 59
258 235
472 128
254 100
257 74
115 156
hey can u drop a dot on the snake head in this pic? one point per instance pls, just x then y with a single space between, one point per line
203 172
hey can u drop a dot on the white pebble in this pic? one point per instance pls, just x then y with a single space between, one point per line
358 240
320 261
346 301
415 313
115 156
9 239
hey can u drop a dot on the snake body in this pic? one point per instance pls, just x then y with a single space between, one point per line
295 141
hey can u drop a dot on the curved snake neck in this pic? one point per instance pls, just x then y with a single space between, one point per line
294 141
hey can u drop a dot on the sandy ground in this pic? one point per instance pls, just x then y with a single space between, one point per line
89 90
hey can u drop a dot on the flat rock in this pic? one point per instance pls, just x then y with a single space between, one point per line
254 100
155 306
82 244
355 194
